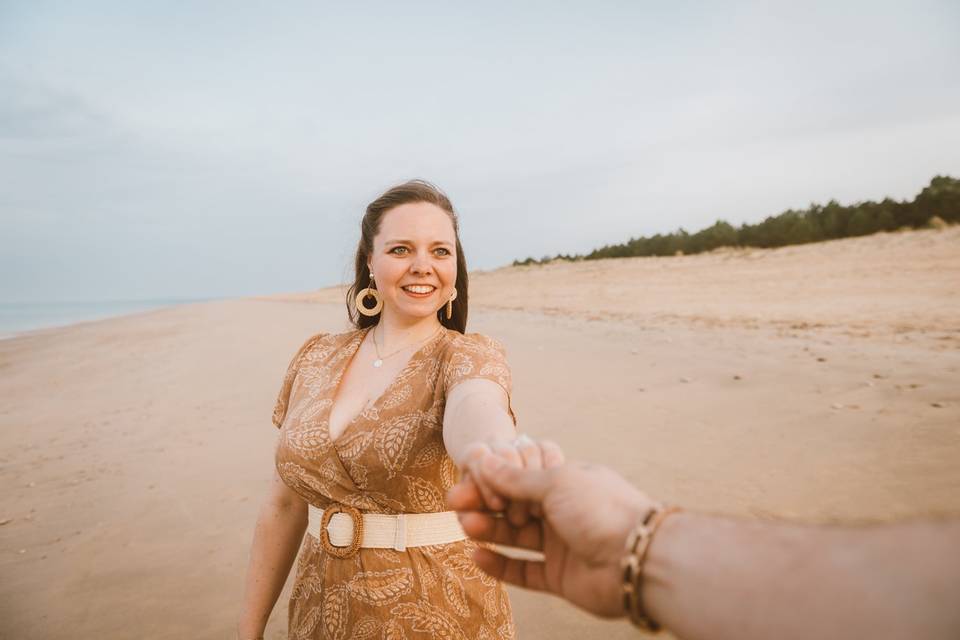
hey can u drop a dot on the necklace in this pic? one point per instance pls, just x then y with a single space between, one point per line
379 361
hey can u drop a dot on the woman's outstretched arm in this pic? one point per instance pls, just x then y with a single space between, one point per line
477 422
276 539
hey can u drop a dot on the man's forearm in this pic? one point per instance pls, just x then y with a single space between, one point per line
712 577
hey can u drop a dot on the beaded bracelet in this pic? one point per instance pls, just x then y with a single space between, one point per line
638 542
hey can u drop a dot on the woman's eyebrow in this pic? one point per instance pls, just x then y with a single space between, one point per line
432 244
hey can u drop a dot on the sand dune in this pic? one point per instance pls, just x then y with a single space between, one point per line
817 383
886 284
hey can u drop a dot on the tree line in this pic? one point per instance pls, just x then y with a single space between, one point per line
940 199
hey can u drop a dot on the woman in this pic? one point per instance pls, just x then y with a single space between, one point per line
374 424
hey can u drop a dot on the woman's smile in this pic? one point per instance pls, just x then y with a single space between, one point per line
419 290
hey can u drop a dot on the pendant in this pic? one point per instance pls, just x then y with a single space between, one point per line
378 363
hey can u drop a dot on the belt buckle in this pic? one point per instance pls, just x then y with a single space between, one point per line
354 546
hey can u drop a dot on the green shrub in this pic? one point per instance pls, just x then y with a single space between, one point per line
941 199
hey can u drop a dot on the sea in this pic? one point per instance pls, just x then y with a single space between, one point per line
20 317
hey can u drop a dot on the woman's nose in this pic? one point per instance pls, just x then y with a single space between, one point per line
420 264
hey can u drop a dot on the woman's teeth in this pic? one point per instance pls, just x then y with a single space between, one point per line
419 289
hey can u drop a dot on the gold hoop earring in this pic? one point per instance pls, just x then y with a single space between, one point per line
450 304
363 295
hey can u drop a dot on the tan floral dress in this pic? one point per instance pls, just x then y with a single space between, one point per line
389 459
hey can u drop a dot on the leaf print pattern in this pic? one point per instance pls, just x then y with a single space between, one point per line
394 440
393 630
504 603
307 587
335 603
461 563
307 441
506 630
398 397
379 588
373 501
433 373
304 627
459 368
390 460
351 446
412 370
358 473
480 357
424 496
455 594
448 473
328 474
491 607
495 370
365 629
307 411
298 478
388 555
280 408
428 456
427 618
432 419
428 578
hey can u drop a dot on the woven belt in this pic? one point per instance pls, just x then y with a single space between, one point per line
343 530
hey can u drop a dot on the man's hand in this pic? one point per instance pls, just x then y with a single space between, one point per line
521 452
587 513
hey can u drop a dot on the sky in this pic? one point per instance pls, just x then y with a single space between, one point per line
216 149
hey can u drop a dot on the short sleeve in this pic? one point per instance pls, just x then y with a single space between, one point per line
283 398
478 356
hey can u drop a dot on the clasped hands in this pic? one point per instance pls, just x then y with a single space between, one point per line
523 494
521 452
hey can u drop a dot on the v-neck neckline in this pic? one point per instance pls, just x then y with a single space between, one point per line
354 345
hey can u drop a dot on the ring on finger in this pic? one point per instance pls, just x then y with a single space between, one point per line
523 440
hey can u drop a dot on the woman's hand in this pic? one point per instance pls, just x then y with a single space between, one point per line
521 452
587 513
477 422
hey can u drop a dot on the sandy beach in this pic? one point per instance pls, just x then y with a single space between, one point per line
817 383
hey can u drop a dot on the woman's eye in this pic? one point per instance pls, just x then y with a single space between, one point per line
404 250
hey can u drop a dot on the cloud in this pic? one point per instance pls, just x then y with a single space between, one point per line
34 113
192 151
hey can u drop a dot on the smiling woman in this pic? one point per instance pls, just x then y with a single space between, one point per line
413 261
376 424
426 215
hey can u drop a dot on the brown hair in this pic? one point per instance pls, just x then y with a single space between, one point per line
406 193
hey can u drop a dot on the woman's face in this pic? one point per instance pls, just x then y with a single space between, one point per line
414 260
